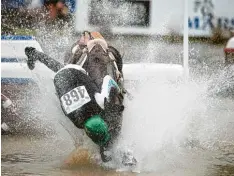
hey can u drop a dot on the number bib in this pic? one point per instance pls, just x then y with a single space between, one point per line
75 99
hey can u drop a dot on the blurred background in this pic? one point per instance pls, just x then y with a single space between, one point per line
144 17
211 23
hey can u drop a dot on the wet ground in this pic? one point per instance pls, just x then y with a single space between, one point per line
205 145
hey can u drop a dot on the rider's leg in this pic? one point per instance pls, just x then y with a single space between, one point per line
34 55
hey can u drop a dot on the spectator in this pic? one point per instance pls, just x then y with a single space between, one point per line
57 9
19 15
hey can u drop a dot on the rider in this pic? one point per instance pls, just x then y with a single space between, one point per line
100 111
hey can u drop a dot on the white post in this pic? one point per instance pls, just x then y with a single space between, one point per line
185 41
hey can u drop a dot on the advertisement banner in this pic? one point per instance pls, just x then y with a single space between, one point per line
205 15
155 17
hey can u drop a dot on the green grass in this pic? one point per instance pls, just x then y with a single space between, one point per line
20 31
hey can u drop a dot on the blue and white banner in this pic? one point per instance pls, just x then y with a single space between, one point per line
205 15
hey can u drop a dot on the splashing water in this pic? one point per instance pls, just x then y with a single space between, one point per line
167 126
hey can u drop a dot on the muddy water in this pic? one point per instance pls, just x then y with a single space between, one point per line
209 152
206 146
